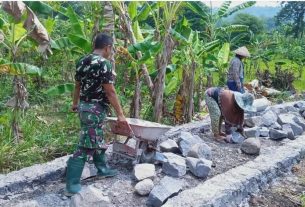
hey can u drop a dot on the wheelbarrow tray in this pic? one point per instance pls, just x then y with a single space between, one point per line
142 129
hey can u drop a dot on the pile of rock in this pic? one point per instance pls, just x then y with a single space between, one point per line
186 152
278 122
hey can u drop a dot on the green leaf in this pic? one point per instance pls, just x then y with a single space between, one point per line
223 54
61 43
60 89
2 22
19 32
145 10
132 9
49 25
19 69
178 37
171 86
238 8
199 8
137 31
223 8
40 7
80 42
74 19
209 46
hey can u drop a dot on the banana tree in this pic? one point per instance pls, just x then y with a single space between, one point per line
13 35
213 29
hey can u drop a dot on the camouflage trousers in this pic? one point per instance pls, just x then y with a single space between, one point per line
92 116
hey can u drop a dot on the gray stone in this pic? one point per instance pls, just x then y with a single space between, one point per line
253 121
275 125
277 134
300 105
167 187
251 146
237 138
264 132
261 104
278 109
303 114
144 187
169 146
268 118
291 108
251 132
89 171
199 167
143 171
90 196
300 121
174 165
200 150
287 128
186 140
289 119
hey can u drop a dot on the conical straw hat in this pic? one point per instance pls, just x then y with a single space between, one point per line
242 51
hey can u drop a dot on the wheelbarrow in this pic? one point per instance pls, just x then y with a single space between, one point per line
145 133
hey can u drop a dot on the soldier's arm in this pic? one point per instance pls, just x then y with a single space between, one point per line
76 95
114 101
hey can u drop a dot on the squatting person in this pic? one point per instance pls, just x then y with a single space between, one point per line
228 106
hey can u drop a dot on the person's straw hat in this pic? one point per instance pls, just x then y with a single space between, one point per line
242 51
245 101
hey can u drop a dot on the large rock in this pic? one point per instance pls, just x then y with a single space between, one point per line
174 165
268 118
261 104
88 171
287 128
303 114
253 121
300 105
300 121
264 132
167 187
251 146
237 138
186 140
251 132
143 171
90 196
290 119
199 167
277 134
275 125
169 146
200 150
278 109
144 187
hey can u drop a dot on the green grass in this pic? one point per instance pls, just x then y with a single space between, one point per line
45 136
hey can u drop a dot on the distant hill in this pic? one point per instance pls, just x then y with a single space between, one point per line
259 11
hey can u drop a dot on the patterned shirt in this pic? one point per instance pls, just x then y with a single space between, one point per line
236 70
92 71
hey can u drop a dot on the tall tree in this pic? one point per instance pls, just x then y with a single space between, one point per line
292 12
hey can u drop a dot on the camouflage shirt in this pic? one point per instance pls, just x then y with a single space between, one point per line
92 71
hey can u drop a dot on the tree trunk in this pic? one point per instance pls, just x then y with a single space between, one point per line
135 105
162 62
131 37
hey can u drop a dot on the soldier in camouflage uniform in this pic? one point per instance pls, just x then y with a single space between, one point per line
94 92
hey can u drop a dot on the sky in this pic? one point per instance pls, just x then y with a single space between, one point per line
217 3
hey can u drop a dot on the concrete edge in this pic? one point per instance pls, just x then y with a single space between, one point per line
232 187
22 180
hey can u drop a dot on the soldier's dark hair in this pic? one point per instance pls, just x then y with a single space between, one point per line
102 40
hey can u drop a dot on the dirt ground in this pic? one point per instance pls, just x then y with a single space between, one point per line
288 191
